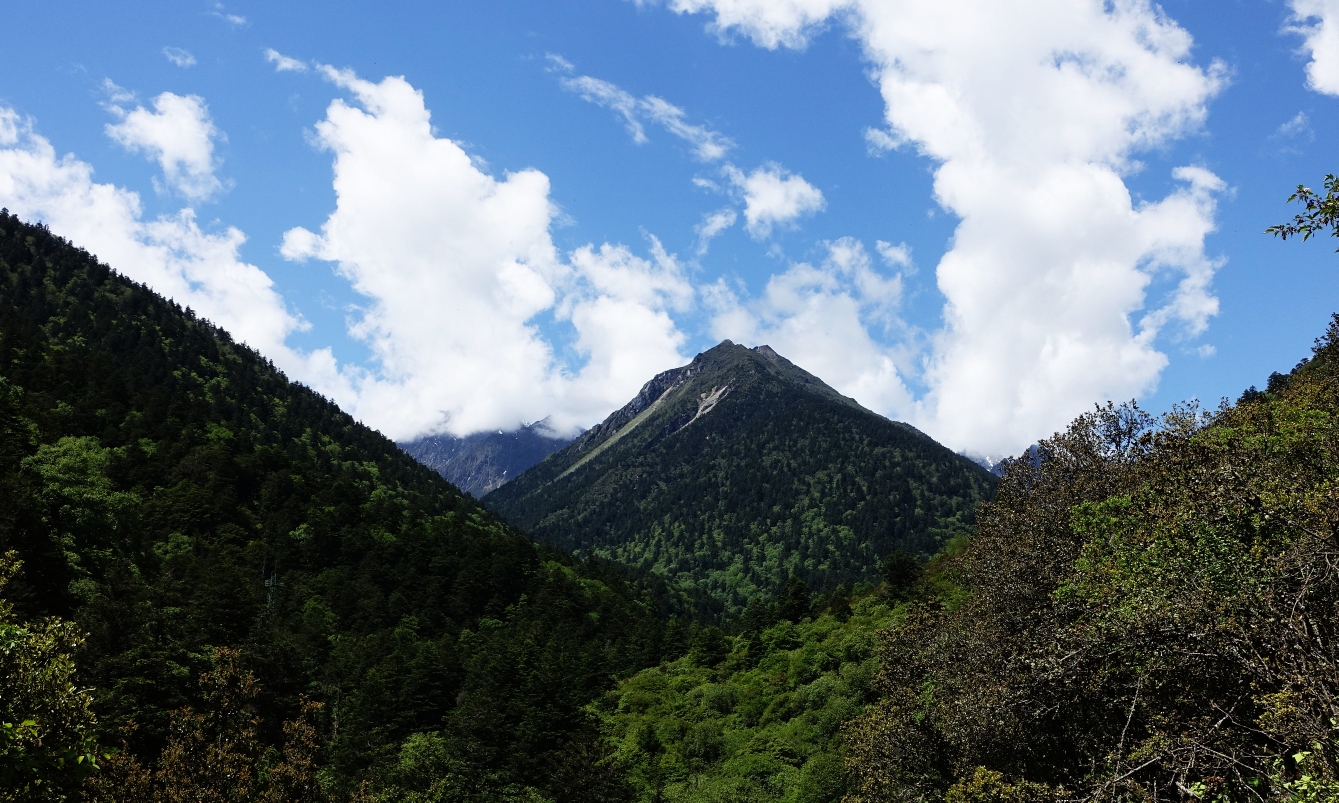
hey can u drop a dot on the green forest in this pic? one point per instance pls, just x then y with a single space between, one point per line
216 586
167 493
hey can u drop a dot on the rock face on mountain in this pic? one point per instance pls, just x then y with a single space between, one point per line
482 462
740 469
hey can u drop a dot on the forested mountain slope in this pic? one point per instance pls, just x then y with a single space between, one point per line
740 469
1151 615
171 492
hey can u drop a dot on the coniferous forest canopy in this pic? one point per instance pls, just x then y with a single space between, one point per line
169 492
217 586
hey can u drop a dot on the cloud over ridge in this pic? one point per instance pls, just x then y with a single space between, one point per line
455 265
1031 113
171 254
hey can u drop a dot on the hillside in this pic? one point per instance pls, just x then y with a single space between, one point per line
1151 617
171 492
740 469
483 461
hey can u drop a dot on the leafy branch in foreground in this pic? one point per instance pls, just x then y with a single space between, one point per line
216 755
46 721
1321 215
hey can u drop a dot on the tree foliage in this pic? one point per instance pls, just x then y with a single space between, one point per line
1321 213
217 754
1152 614
760 720
47 727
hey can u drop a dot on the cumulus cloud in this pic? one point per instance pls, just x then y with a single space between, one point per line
708 145
620 310
1032 112
179 56
773 196
284 63
770 23
171 254
178 134
456 264
1318 22
820 317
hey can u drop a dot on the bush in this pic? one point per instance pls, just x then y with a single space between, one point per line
986 786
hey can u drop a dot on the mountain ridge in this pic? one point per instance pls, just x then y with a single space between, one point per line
169 491
483 461
739 469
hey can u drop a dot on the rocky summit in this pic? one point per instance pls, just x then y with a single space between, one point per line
483 461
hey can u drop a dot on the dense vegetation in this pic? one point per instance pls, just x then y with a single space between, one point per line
169 493
739 470
1152 616
758 715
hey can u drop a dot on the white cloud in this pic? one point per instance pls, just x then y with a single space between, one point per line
456 265
712 225
1318 22
1031 112
620 310
178 134
708 145
1299 125
179 56
283 63
879 142
897 256
603 93
171 254
820 318
235 20
770 23
773 196
558 63
116 94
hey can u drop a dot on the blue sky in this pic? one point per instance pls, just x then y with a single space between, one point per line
1066 203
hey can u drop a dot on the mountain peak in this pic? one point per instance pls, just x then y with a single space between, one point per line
739 469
